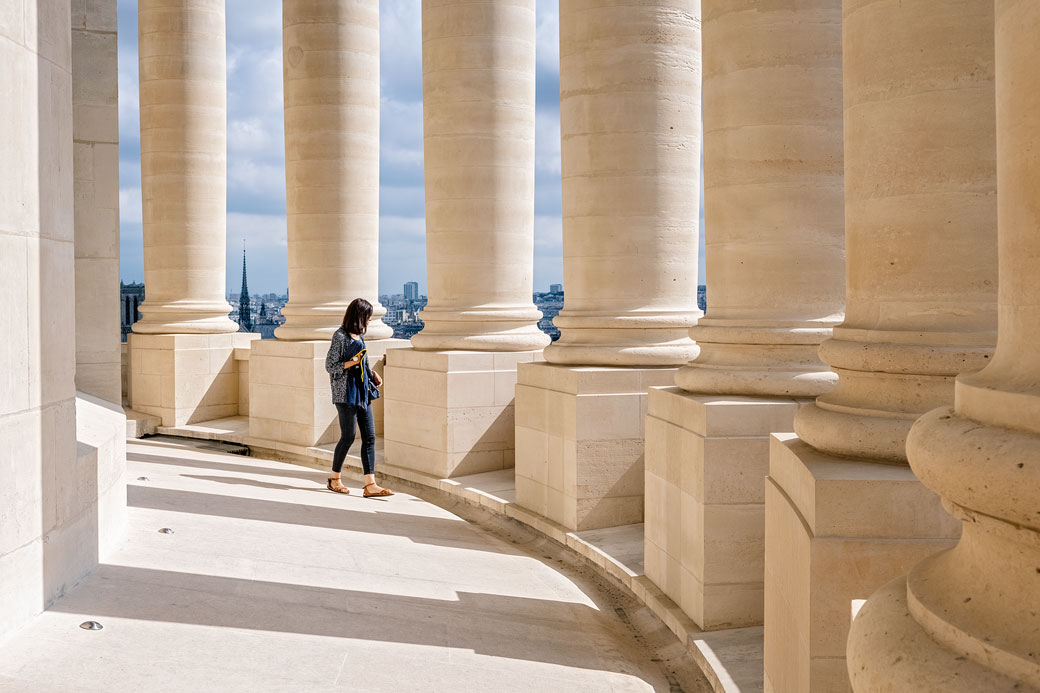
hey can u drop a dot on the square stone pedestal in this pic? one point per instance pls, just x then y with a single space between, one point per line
707 458
186 378
579 442
450 413
836 530
290 399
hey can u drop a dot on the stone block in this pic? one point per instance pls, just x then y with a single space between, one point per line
450 413
579 433
837 529
184 379
706 462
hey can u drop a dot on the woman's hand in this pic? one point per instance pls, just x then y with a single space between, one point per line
351 363
376 379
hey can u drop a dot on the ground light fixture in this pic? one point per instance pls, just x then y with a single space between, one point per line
165 530
91 625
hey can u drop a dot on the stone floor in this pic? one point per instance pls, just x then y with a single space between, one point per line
271 583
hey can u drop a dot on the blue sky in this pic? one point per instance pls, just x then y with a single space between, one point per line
256 151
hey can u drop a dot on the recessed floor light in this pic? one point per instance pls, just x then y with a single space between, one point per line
165 530
91 625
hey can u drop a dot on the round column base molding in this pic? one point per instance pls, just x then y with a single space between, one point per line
872 434
761 381
649 348
198 317
888 650
499 337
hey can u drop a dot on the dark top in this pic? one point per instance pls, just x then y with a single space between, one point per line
349 386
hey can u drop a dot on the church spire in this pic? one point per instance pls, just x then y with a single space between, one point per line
245 316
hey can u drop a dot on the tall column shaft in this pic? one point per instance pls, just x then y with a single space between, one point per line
773 198
478 133
330 65
969 619
629 115
183 166
920 221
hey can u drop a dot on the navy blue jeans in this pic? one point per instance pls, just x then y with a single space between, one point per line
348 415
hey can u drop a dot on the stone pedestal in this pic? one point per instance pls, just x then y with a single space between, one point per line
450 413
579 442
186 378
706 462
289 392
836 530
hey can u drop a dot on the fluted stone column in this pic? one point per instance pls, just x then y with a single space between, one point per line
330 66
629 117
478 141
629 111
330 70
181 351
968 619
450 412
775 261
844 514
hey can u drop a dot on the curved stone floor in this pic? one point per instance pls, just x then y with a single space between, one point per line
271 583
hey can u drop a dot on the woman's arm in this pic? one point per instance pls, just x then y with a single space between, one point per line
334 359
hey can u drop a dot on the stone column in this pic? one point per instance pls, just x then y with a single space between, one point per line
844 514
968 619
95 135
181 365
478 142
775 258
330 67
629 115
450 412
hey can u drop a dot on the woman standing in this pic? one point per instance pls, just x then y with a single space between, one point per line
353 388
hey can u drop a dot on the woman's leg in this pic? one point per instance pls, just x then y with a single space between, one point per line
368 449
367 426
346 437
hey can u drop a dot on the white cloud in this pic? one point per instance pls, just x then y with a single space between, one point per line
547 39
130 205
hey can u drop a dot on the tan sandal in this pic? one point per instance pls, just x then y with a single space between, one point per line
378 494
337 486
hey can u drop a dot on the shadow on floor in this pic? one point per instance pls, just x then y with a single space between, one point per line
563 633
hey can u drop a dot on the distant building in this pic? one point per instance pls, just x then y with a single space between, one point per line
702 297
556 288
411 291
131 296
550 304
245 311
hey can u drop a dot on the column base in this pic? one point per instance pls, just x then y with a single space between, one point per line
186 378
706 461
290 399
450 413
885 632
836 530
579 442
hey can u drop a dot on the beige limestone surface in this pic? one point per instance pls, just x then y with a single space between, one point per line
630 157
969 618
706 460
39 499
478 140
920 220
183 92
186 378
271 583
579 442
773 198
835 530
451 413
95 133
330 67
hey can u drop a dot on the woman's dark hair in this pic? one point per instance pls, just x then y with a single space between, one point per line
355 320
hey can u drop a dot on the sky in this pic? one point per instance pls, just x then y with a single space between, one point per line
256 148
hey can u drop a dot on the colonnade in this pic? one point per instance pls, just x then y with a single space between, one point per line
865 130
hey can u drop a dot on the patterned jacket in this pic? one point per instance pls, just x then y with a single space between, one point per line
348 385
